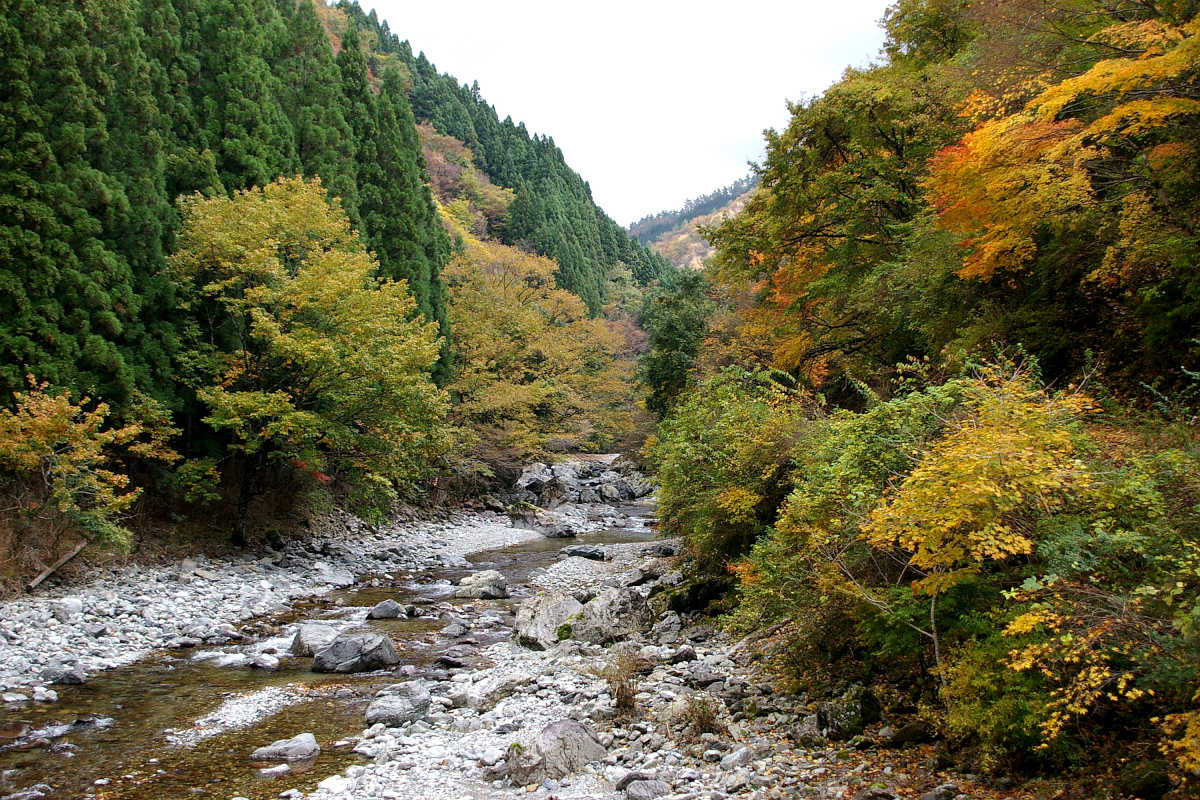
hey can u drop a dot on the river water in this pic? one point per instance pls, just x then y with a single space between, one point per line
134 729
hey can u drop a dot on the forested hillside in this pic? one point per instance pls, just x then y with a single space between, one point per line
223 269
930 415
652 227
675 235
552 212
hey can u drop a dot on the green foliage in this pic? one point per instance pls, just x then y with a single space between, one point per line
310 360
675 321
723 457
1042 572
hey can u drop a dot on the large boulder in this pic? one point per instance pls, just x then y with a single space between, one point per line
534 477
355 652
613 615
546 619
337 577
63 672
486 585
484 694
298 748
847 716
589 551
311 637
387 609
553 525
399 704
562 747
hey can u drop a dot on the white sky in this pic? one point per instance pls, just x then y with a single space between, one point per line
652 102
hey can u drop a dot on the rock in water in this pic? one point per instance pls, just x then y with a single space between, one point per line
298 748
399 704
388 609
64 673
613 615
311 637
486 585
561 748
546 619
355 652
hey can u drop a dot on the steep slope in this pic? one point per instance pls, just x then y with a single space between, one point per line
683 245
675 235
552 212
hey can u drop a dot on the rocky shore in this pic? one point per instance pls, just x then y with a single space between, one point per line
576 680
652 707
65 633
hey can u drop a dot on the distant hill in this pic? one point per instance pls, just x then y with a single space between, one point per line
675 234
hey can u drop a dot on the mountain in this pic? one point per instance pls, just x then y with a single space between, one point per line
675 235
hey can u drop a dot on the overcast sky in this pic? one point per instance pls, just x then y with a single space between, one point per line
652 102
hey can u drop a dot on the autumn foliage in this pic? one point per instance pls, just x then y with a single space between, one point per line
962 459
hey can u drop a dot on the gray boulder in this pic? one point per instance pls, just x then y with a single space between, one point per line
668 628
399 704
647 790
534 477
807 732
311 637
486 585
553 525
546 619
355 652
613 615
66 607
589 551
63 673
388 609
849 715
338 577
298 748
484 694
562 747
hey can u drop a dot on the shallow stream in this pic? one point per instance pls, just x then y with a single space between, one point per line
134 729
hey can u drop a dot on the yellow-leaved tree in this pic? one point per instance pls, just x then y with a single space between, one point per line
304 358
62 471
530 365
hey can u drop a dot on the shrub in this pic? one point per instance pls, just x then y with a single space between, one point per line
723 459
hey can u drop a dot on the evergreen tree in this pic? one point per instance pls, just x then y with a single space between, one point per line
309 79
67 296
235 96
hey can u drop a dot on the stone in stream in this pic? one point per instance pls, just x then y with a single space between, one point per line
311 637
613 615
298 748
388 609
355 652
546 619
486 585
264 661
562 747
589 551
63 673
399 704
